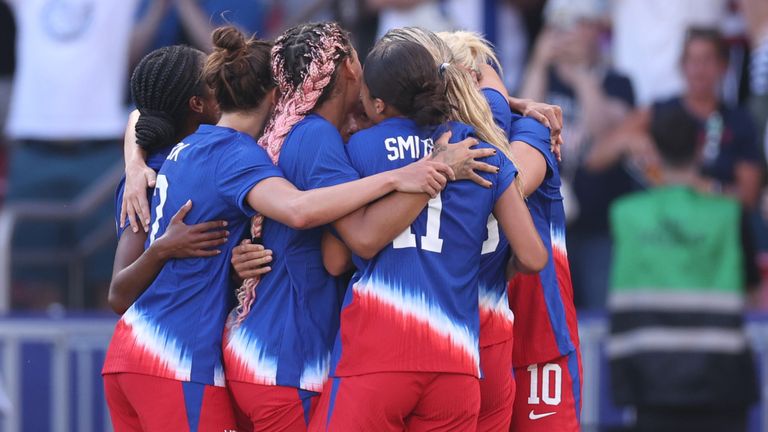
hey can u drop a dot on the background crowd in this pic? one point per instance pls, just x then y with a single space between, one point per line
610 65
640 82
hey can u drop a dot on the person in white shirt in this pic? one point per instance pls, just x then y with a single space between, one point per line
648 37
67 113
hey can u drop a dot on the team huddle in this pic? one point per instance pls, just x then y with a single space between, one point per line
260 177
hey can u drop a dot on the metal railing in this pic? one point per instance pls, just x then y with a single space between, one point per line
75 346
82 206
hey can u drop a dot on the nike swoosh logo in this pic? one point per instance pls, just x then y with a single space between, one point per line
534 416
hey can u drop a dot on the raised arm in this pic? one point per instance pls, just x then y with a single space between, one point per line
138 177
196 23
135 268
145 29
630 138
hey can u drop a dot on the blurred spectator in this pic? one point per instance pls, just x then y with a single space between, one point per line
360 20
731 160
678 350
567 69
7 61
66 115
510 25
170 22
756 14
428 14
7 66
648 37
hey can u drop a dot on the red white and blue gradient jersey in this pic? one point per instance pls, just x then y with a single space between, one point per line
174 329
496 318
287 337
413 307
545 317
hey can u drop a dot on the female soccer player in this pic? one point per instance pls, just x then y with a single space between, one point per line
277 352
167 110
407 343
546 354
169 340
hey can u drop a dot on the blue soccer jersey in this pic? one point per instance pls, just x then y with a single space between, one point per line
413 307
287 337
546 326
174 329
496 318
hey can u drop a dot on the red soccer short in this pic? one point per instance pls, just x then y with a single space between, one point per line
272 408
144 403
548 396
497 387
397 401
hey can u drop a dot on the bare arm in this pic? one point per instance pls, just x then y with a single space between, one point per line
535 82
601 112
146 29
135 268
138 177
371 228
529 253
337 258
196 23
632 134
308 209
531 164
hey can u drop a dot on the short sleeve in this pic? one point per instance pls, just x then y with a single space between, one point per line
239 169
331 165
505 177
535 135
502 115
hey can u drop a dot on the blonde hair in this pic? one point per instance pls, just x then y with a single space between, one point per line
468 105
470 49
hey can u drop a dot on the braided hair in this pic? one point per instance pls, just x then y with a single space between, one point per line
304 63
161 86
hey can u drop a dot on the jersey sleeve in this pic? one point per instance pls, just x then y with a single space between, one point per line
330 163
239 170
502 114
535 135
505 177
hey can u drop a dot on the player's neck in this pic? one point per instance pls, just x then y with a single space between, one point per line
189 127
247 122
334 110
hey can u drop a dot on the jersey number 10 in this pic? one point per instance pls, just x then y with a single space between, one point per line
432 241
